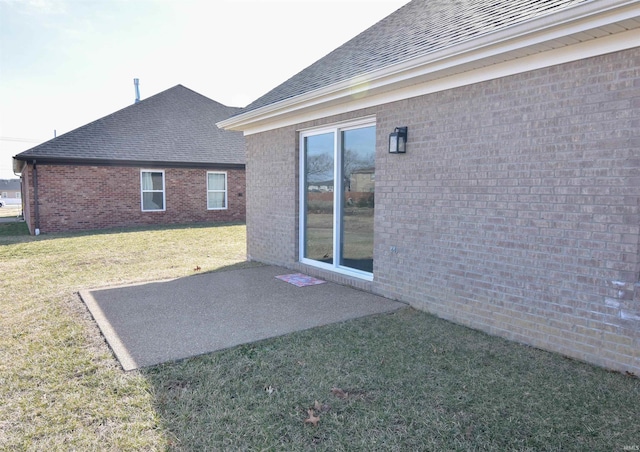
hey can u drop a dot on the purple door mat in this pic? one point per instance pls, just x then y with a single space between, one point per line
300 280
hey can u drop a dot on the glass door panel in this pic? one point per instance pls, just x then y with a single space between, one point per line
337 188
319 167
358 147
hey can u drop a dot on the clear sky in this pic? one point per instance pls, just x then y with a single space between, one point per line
65 63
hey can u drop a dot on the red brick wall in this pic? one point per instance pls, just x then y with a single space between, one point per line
74 198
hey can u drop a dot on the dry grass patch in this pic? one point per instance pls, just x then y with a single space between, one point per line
60 385
10 211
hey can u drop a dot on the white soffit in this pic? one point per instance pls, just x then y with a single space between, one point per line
584 31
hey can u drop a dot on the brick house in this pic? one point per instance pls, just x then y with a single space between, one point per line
161 160
515 208
10 191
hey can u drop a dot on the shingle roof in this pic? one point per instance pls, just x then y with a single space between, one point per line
10 184
175 126
416 29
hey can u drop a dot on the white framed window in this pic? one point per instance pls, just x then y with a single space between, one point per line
216 190
152 193
18 195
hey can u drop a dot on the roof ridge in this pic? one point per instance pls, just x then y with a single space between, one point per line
177 124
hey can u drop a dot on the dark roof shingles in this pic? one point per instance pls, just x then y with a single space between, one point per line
174 126
10 184
416 29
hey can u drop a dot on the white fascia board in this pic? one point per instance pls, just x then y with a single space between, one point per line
18 166
369 89
580 51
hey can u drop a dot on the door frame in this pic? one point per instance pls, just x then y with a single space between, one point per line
335 128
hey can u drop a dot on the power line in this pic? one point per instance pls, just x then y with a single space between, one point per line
21 140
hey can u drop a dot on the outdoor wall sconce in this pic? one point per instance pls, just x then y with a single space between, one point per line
398 141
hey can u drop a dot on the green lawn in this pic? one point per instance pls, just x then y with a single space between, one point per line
405 381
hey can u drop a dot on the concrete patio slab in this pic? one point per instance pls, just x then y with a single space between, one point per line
148 324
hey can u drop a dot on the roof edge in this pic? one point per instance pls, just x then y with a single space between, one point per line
513 39
17 166
126 163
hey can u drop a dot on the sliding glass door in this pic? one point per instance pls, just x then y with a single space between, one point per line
337 192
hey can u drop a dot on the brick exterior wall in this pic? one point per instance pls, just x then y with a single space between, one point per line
515 210
74 198
272 206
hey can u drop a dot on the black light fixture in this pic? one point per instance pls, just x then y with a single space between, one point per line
398 141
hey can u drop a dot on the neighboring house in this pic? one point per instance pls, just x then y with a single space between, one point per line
515 209
362 180
10 191
159 161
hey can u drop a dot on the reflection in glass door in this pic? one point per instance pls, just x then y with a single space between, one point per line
337 189
319 204
358 148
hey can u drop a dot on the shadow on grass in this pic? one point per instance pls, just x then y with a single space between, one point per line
16 232
14 229
401 381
